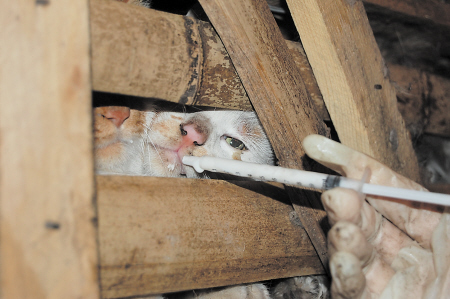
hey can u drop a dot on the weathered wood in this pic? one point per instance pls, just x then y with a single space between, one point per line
148 53
423 100
123 49
276 90
431 10
298 55
156 238
354 80
48 246
157 62
219 85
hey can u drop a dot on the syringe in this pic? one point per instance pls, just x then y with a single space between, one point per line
308 179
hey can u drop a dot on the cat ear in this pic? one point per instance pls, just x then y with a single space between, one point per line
116 114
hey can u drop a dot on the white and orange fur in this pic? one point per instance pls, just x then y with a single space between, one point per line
153 143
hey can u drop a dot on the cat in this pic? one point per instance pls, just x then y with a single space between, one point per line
153 142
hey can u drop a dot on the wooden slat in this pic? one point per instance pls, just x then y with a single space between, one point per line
219 84
155 238
165 69
354 80
48 246
123 49
276 90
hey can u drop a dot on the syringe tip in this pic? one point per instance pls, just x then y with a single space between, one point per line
194 162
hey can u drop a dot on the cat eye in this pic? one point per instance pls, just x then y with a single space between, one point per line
236 143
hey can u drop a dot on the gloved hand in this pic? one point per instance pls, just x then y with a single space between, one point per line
381 248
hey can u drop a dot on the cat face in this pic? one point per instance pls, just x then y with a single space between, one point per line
153 143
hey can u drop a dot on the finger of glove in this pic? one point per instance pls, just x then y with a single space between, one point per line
348 280
345 205
417 220
347 237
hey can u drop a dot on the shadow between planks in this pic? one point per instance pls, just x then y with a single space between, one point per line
165 234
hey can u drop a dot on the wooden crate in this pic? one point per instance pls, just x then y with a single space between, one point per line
61 238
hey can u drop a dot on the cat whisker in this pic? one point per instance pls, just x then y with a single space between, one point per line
148 140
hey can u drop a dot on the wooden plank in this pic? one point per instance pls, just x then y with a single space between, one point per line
155 238
219 84
165 69
431 10
217 71
123 48
298 54
276 90
354 80
48 246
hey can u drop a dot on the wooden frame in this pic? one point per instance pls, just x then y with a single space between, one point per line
155 238
48 219
48 238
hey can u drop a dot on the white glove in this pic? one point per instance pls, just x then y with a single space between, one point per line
381 248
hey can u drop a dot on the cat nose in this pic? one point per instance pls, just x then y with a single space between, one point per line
192 134
117 115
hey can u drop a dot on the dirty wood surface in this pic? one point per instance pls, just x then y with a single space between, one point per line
48 239
218 85
275 87
223 234
125 59
188 63
354 80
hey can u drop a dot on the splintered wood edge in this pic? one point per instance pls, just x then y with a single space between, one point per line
155 238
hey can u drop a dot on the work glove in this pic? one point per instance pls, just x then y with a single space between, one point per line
381 247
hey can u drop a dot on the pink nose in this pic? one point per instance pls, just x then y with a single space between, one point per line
192 135
117 115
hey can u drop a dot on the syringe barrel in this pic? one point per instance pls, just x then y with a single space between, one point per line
308 179
259 171
349 184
